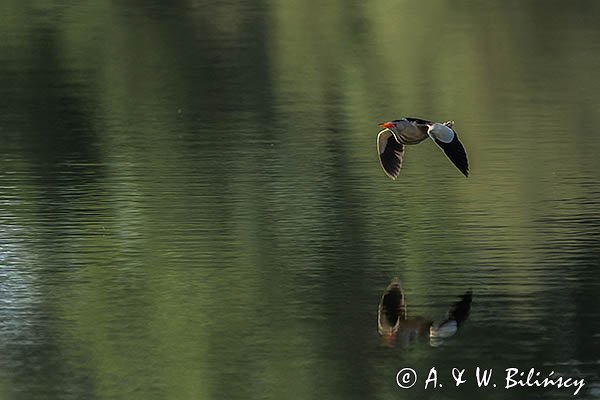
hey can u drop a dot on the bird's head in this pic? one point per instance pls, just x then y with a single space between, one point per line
395 125
388 125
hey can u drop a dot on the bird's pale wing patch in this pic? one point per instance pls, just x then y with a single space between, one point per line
390 152
441 132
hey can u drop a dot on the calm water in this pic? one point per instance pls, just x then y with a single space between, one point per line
191 205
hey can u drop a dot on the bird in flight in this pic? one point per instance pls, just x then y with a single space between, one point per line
400 132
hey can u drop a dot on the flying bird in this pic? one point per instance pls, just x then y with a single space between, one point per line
400 132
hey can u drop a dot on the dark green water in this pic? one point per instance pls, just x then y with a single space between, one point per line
191 205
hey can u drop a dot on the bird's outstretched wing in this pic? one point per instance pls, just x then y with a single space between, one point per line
457 314
390 153
459 311
391 310
455 152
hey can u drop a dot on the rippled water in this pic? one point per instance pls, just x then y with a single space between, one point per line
191 204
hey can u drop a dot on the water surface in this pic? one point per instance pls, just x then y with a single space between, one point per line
191 204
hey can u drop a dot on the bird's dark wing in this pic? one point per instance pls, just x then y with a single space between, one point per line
455 151
391 309
457 314
459 311
390 153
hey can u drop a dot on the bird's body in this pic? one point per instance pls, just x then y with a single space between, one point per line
409 131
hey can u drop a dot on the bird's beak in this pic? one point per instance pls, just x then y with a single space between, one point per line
385 125
389 339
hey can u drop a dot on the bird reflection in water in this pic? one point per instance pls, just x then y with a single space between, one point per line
396 327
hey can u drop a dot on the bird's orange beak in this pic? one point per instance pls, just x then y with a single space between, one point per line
385 125
389 339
